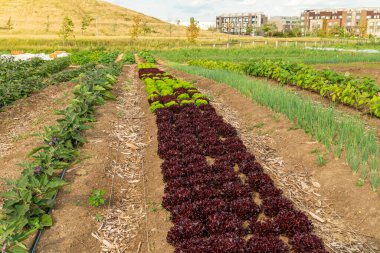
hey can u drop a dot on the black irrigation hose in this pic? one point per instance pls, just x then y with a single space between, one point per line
38 236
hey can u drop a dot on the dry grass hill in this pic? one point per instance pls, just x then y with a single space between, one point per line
44 17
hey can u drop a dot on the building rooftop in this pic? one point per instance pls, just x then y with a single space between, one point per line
344 9
285 17
241 14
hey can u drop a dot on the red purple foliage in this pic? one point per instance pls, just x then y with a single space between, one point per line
210 205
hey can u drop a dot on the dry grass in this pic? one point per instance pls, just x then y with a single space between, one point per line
33 17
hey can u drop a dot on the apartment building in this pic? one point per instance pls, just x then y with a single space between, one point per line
240 23
352 20
285 23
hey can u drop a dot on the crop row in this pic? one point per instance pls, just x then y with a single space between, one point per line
20 79
361 93
165 91
147 56
27 202
219 196
101 57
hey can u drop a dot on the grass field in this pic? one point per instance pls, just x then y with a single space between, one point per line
251 54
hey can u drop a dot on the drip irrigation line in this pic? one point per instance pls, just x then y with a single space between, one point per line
39 234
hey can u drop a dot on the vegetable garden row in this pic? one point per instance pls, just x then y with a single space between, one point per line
361 93
30 198
219 196
19 79
344 135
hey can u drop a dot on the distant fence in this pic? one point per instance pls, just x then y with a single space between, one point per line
288 43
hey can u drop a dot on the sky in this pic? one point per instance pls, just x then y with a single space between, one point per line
205 11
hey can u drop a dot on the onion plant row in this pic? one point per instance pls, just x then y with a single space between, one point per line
29 198
360 93
339 133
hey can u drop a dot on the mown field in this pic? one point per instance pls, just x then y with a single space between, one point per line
190 150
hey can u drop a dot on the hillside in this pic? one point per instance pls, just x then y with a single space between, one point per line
45 17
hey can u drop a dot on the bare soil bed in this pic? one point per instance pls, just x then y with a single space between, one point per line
346 216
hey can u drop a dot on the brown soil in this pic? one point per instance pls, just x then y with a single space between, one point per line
363 69
23 119
357 207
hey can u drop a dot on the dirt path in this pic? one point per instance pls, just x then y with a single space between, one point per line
347 217
26 117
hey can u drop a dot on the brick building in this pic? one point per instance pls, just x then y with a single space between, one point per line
285 23
352 20
239 23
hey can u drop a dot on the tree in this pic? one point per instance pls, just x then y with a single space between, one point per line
296 30
86 22
9 24
178 22
249 29
145 28
47 23
212 28
336 30
193 30
269 28
324 27
363 26
135 30
67 29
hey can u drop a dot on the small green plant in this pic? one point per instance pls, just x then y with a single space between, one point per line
321 161
187 102
258 125
363 174
276 117
171 103
200 102
99 217
156 105
338 152
293 128
183 96
315 151
198 96
97 198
